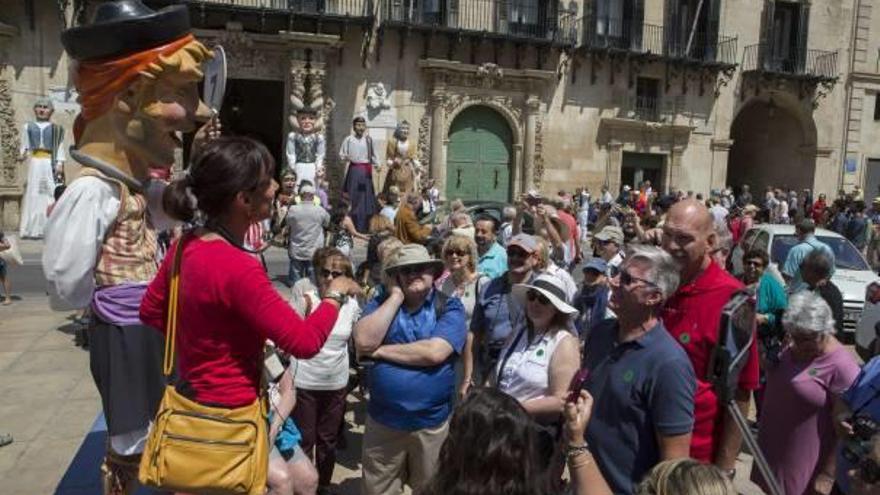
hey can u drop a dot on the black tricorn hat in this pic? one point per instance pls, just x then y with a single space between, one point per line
123 27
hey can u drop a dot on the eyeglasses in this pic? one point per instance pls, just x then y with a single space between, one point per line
457 252
533 295
331 273
627 279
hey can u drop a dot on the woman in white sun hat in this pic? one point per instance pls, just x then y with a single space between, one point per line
540 358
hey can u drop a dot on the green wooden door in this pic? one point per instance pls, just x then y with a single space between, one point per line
479 156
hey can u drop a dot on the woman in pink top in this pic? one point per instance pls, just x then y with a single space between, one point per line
795 429
228 308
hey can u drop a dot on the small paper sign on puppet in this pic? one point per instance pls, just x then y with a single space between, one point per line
215 79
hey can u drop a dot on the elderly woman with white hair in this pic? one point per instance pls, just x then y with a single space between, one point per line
795 429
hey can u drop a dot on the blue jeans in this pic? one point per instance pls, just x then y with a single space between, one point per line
299 269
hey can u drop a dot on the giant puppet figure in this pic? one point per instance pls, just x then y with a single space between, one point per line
137 72
306 148
41 145
403 168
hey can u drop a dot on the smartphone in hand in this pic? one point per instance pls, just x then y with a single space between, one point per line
577 383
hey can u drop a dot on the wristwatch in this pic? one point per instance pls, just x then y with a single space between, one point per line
337 296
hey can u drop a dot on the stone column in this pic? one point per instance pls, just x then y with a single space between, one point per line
615 162
438 129
720 153
533 107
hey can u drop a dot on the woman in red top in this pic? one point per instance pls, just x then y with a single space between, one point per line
228 306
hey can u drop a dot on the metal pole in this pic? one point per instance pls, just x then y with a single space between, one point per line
693 28
758 456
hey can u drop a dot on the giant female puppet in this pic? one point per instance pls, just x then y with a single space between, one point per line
41 145
137 72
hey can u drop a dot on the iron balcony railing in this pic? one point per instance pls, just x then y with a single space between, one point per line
640 37
763 57
704 47
340 8
516 18
621 34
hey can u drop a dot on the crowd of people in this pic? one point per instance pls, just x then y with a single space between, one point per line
486 367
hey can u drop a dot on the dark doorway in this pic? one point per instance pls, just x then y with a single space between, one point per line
872 178
252 108
255 108
639 167
770 148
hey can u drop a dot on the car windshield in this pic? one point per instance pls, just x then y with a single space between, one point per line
846 257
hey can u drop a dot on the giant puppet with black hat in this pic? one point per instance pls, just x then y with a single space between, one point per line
136 71
359 156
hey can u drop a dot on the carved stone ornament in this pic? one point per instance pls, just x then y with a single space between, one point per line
503 104
240 48
489 75
307 92
538 171
377 97
9 139
424 146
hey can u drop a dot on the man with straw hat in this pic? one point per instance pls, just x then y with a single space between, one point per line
414 334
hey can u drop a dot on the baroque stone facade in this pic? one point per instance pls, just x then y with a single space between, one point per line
577 115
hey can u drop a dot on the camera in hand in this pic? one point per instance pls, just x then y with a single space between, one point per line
858 447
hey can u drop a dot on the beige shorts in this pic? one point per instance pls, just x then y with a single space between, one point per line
392 458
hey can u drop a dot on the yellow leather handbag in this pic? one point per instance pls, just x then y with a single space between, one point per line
199 449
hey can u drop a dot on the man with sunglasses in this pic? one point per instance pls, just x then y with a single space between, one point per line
693 315
642 379
414 334
496 312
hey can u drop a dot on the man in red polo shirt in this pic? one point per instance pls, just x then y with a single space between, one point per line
692 316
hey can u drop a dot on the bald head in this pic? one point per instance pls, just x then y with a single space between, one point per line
689 236
692 212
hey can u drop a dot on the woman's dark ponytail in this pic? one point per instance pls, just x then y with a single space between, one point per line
225 167
175 201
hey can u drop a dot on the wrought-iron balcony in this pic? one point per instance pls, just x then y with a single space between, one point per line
526 19
702 47
329 8
608 33
816 65
635 36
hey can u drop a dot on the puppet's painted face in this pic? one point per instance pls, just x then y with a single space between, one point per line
42 112
163 106
306 122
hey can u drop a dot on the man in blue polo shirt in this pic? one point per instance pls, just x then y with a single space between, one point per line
642 379
493 257
414 335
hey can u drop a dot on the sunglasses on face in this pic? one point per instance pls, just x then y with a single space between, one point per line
627 279
331 273
412 270
517 253
533 295
456 252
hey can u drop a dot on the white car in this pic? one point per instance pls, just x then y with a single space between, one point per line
852 274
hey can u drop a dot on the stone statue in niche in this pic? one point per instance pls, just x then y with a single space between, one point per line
377 100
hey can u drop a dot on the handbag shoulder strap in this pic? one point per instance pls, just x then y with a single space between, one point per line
173 306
